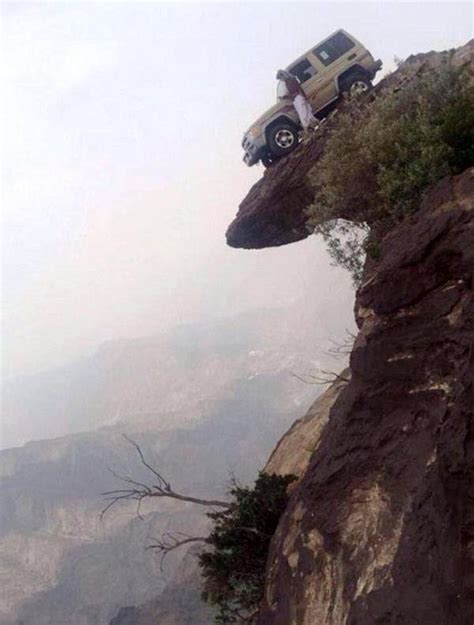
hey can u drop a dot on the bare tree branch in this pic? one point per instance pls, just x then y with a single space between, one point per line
169 542
144 462
139 491
324 377
343 348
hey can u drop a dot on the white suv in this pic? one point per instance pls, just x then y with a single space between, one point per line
338 64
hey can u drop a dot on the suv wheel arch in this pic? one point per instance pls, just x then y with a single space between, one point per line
349 75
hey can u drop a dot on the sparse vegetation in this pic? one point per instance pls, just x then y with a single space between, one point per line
382 157
234 570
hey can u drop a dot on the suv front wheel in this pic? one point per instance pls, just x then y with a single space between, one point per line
282 138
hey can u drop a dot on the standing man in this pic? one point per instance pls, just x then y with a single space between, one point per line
290 88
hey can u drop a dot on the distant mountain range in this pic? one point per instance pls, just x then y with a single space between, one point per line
205 402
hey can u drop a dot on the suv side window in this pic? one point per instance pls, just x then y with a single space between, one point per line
303 70
333 48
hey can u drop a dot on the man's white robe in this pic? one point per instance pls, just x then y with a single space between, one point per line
301 104
303 108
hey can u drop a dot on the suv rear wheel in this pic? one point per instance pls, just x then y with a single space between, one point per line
282 138
356 85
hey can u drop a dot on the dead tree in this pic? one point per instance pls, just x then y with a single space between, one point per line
322 378
160 487
342 349
170 541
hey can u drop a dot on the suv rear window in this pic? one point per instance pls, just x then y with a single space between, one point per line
333 48
303 70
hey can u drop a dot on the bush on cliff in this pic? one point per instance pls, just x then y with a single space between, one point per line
234 570
384 154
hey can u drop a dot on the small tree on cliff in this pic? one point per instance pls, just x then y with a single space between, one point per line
234 569
233 563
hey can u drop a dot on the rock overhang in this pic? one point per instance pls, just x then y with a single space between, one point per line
274 211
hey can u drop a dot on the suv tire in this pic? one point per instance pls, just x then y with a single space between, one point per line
356 85
282 138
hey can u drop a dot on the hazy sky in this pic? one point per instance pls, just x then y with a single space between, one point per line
122 161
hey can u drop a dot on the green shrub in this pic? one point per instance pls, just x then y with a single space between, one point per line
234 570
384 154
457 130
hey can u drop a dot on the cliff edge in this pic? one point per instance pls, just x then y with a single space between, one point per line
274 211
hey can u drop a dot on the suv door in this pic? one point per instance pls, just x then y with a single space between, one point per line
315 80
334 55
308 76
322 90
318 70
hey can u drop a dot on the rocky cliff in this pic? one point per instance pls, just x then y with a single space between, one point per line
379 529
381 526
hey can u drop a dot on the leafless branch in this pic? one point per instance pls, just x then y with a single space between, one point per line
323 377
138 491
343 348
169 542
145 463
